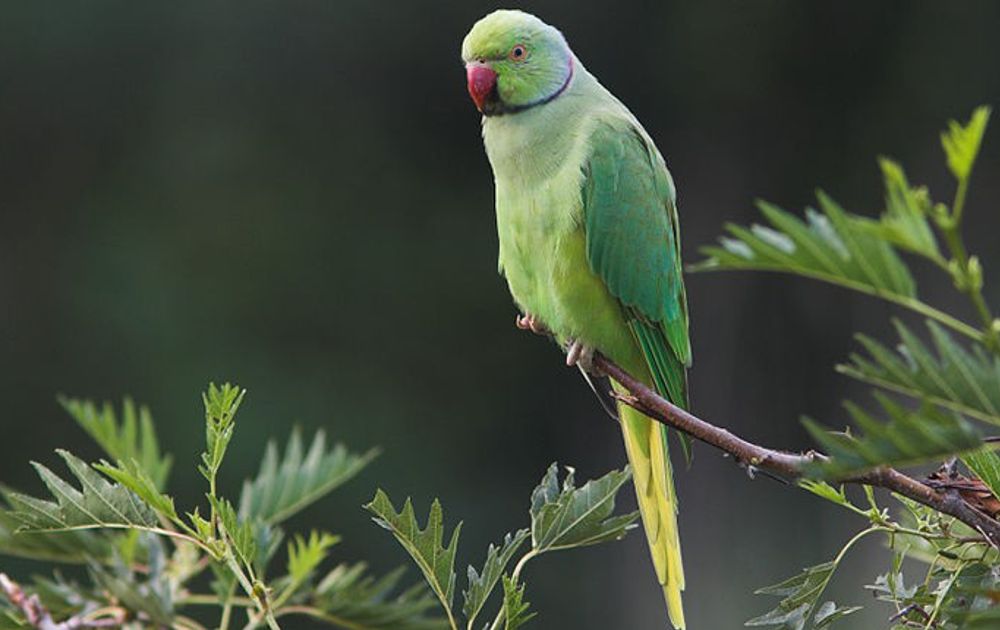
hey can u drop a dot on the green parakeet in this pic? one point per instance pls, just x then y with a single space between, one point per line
589 241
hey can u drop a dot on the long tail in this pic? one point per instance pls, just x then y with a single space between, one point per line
646 445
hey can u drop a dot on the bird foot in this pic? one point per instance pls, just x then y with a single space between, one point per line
532 323
580 354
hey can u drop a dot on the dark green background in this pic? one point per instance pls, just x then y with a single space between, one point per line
294 196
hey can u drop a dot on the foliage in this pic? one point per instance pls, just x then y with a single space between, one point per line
497 559
436 561
562 517
143 557
98 503
131 439
801 595
933 396
285 486
909 436
948 376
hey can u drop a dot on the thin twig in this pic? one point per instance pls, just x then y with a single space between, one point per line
790 465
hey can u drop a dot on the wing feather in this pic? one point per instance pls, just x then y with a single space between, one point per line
633 244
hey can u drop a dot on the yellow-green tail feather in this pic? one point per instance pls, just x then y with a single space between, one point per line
646 445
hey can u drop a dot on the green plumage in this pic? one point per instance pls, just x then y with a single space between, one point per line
633 244
589 239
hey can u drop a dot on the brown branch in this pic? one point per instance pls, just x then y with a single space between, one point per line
791 465
38 617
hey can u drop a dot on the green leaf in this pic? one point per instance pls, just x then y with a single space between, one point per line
73 547
799 594
837 495
133 477
907 437
567 516
286 486
891 587
349 597
904 222
833 246
961 142
116 583
240 532
98 502
134 438
481 585
515 609
149 594
436 561
202 526
985 464
830 612
221 405
949 376
306 554
267 540
972 601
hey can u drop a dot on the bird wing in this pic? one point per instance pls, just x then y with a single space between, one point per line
633 244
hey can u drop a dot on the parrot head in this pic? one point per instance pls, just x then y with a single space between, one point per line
514 61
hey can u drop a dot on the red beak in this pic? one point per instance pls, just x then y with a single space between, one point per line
482 81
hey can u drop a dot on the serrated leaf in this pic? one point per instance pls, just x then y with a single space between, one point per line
287 485
515 609
907 437
134 438
799 597
905 220
482 585
985 464
565 516
961 142
350 597
240 532
949 376
425 546
98 502
306 554
830 612
72 547
133 477
201 525
891 587
833 246
221 405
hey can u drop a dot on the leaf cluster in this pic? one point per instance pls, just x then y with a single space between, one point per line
144 558
562 516
934 395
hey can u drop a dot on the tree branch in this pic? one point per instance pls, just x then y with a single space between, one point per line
790 465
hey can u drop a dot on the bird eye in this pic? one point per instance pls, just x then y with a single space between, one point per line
518 52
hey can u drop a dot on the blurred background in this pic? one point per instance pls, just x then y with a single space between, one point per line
294 196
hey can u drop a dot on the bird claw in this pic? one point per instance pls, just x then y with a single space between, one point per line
580 354
532 323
